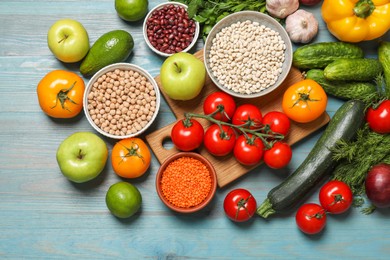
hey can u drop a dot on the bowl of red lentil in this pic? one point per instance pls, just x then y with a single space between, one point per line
248 54
186 182
167 29
121 100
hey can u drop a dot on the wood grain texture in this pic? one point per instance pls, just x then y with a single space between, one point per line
44 216
226 167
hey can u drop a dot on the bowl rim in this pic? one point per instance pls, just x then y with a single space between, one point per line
112 67
218 27
213 175
159 6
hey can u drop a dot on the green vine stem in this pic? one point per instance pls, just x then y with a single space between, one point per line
266 135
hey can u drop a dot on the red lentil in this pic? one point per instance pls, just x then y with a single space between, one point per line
186 182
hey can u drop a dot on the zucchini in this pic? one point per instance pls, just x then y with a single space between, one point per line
353 69
384 59
319 55
318 164
342 89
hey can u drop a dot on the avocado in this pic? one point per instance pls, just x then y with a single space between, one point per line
112 47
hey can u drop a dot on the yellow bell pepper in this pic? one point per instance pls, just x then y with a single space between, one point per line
356 20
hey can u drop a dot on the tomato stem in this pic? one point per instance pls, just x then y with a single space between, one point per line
304 97
241 204
62 96
132 151
266 135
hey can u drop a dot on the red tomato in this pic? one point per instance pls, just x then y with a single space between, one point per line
248 116
239 205
219 141
214 101
187 134
278 156
248 151
311 218
379 119
278 122
335 197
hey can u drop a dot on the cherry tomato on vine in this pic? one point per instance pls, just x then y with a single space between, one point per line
248 150
130 157
378 118
304 101
219 141
278 156
277 121
60 94
239 205
248 116
311 218
187 134
335 197
218 99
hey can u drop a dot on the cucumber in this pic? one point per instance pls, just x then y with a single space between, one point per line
353 69
342 89
319 55
318 164
384 59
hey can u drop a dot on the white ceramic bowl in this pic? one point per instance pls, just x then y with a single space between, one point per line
262 19
113 67
160 6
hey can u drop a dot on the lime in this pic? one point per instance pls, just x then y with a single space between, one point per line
123 199
131 10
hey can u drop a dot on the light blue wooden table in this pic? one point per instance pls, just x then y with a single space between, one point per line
44 216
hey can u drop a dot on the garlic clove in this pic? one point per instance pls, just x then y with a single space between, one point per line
301 26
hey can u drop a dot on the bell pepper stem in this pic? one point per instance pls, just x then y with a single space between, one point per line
364 8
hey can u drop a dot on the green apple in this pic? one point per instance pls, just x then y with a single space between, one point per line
82 156
182 76
68 40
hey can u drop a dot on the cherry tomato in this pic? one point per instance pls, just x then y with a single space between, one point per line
219 141
304 101
378 119
311 218
248 116
239 205
130 157
187 134
248 150
278 122
60 94
278 156
220 99
335 197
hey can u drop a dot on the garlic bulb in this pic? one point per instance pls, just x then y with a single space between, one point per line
301 26
281 8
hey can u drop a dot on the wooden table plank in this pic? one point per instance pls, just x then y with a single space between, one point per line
44 216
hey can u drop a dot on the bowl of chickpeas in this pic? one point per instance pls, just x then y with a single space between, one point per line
121 100
248 54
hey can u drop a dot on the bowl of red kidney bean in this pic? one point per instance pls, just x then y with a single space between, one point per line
168 29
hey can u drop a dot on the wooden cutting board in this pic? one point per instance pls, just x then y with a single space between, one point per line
227 168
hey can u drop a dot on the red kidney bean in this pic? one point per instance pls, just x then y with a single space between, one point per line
170 30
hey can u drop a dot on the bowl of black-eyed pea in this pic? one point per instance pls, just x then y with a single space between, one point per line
248 54
121 100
